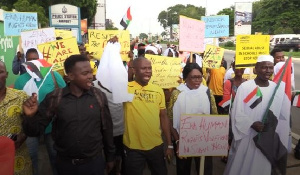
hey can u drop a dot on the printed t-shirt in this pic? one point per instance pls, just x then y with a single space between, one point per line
142 120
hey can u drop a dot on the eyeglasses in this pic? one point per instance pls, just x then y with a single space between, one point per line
194 78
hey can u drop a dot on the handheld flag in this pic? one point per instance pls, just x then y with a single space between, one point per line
37 68
296 101
254 98
225 102
126 19
274 140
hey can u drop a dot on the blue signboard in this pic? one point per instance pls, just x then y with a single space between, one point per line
17 22
216 26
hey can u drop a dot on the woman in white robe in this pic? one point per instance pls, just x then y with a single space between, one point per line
190 98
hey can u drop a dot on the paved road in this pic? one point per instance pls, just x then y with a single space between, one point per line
293 164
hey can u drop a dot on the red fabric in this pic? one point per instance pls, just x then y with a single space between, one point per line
286 78
227 90
7 156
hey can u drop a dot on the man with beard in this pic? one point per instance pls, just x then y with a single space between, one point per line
251 102
82 125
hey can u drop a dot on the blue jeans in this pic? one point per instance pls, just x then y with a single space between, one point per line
33 148
135 161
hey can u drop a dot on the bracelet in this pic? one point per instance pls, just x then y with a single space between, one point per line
177 141
170 146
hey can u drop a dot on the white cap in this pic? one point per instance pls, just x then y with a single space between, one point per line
152 48
262 58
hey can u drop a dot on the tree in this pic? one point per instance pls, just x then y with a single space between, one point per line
26 6
163 34
143 36
109 25
168 17
271 15
229 11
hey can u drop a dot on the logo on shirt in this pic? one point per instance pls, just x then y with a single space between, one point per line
145 96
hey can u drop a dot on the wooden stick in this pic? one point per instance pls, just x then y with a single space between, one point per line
201 169
191 57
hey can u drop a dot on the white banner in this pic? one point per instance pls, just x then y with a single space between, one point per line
242 18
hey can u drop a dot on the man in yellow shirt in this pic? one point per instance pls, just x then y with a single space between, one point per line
145 119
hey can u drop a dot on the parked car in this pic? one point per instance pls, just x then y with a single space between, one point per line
289 45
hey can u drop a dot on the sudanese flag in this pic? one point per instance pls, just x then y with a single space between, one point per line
126 19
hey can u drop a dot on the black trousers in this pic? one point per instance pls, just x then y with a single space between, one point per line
135 161
183 166
92 167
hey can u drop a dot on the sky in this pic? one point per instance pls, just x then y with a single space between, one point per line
144 13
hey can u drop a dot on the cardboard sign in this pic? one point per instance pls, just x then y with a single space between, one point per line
249 47
191 36
213 57
31 39
8 49
17 22
64 34
165 70
203 135
99 38
216 26
57 52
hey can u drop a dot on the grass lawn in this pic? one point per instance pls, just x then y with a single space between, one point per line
229 48
166 42
294 54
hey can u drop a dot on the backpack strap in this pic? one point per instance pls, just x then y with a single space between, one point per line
55 98
104 110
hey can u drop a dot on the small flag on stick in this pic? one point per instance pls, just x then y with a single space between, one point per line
126 19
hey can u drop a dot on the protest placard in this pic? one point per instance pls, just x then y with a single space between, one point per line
56 52
213 57
64 34
246 76
203 135
17 22
99 38
216 26
249 47
191 36
8 48
165 70
31 39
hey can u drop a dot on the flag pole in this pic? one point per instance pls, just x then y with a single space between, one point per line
276 88
45 77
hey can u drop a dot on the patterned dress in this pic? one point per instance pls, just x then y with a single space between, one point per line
11 123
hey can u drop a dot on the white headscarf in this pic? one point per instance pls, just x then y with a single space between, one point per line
152 48
167 51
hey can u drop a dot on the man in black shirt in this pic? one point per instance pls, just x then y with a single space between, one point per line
81 128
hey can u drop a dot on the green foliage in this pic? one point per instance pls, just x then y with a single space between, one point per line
110 26
229 44
270 15
26 6
283 30
143 35
170 16
229 11
163 33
